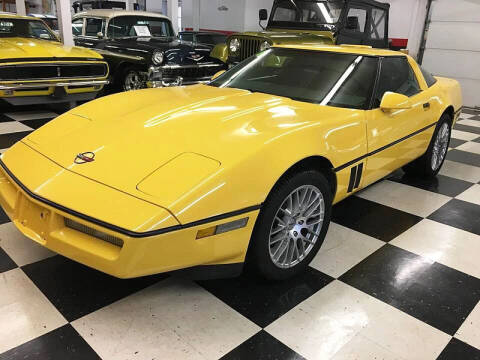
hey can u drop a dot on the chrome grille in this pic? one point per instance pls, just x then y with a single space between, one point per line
93 232
46 71
248 47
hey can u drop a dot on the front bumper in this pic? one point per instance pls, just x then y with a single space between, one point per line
176 75
115 250
28 93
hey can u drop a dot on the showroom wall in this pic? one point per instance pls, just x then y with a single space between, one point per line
453 39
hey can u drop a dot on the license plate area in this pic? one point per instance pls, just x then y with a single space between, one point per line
34 217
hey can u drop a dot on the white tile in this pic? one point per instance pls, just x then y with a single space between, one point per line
463 135
13 126
342 249
444 244
31 115
469 332
25 313
175 318
20 248
460 171
470 146
362 348
403 197
327 322
466 116
472 194
467 122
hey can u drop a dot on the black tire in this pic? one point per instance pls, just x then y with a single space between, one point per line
422 167
258 257
126 72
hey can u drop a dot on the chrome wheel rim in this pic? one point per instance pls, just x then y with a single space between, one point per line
296 226
132 81
440 146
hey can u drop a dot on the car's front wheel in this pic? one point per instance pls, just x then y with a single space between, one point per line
132 79
291 226
431 162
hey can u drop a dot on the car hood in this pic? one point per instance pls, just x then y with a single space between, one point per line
17 48
279 37
135 133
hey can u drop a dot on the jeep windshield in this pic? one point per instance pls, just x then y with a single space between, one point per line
139 26
305 14
26 28
319 77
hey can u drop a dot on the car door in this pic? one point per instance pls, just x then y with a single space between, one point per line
395 138
93 32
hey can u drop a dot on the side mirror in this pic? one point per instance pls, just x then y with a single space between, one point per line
262 16
45 36
217 74
100 35
352 23
393 101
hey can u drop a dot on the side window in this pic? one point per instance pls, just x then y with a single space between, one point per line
429 79
77 27
93 27
377 28
396 76
356 19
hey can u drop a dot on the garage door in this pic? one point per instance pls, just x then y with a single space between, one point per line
453 46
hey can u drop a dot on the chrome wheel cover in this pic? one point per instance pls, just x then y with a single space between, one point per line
440 146
132 81
296 226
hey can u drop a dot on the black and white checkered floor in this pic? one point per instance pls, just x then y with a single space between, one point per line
398 277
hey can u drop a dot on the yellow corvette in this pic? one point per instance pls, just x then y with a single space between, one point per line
35 68
244 169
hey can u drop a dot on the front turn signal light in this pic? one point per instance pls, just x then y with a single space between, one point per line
222 228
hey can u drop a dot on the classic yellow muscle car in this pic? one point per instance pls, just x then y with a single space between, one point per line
244 169
35 68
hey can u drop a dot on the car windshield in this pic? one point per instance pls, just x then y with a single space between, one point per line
211 39
305 13
137 26
10 27
320 77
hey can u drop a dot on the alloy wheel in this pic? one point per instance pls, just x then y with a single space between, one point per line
440 146
132 81
296 226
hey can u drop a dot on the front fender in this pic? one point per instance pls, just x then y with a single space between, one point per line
220 52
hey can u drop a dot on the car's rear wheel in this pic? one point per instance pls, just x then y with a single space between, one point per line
291 226
431 162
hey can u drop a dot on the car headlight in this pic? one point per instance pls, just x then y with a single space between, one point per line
234 45
264 46
157 57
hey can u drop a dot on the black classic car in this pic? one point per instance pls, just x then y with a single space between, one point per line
142 49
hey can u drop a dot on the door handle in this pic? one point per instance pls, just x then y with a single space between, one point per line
426 105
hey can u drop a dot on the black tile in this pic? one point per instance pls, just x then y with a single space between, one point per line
6 263
453 142
77 290
7 140
464 157
476 118
3 217
470 111
477 140
458 350
440 184
263 302
262 346
373 219
35 124
431 292
5 118
62 343
460 214
467 128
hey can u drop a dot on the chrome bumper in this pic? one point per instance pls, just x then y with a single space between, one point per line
155 77
22 86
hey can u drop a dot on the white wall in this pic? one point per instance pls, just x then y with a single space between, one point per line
251 13
453 48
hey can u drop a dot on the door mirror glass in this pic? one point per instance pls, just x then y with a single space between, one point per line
394 101
262 14
217 74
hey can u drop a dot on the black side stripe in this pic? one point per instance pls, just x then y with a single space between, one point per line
354 161
359 175
119 229
353 175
